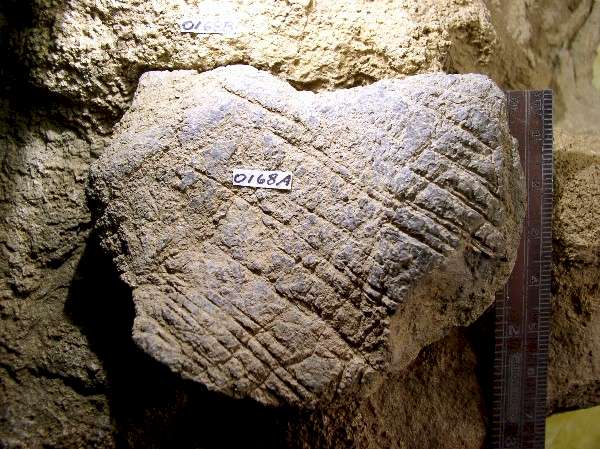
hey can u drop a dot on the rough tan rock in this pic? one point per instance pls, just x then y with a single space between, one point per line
574 368
402 221
94 52
43 216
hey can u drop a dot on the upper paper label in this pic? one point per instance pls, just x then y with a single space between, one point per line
226 25
211 17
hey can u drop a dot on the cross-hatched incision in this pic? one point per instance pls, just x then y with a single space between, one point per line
401 223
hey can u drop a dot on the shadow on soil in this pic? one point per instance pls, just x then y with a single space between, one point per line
149 405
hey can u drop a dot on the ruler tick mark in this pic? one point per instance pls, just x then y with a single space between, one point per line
523 306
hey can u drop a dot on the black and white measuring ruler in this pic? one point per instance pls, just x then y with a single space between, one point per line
523 306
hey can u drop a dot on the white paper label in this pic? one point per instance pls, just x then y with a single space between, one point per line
262 179
209 25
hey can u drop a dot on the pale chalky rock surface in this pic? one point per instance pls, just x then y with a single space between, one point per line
402 222
93 52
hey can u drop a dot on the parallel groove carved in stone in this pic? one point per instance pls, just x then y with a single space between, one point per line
402 221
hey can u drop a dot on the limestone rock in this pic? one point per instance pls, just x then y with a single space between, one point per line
52 383
402 221
94 52
43 215
574 368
